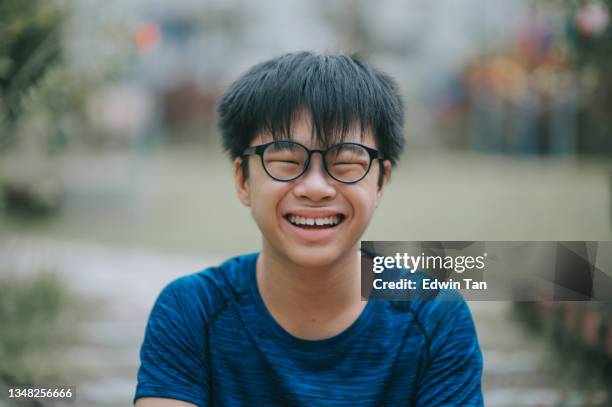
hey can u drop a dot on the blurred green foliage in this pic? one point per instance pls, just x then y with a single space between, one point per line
30 39
37 317
595 50
579 352
29 45
592 55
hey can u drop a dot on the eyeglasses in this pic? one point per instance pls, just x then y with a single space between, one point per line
286 160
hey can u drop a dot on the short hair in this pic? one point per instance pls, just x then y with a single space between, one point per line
338 91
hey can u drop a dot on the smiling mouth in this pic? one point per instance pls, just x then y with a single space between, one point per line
327 222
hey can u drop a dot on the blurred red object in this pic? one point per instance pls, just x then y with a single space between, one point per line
147 36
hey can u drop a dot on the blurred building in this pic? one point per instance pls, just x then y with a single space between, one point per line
186 52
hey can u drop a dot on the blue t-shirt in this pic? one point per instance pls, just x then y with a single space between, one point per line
211 341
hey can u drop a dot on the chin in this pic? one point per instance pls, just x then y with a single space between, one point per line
315 257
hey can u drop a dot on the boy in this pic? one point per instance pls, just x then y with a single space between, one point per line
313 139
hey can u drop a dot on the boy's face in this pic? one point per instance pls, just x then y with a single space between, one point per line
315 195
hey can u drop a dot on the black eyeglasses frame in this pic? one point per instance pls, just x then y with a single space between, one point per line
259 150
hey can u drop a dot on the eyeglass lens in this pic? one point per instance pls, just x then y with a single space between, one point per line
285 160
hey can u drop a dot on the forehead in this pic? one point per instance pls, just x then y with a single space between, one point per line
303 131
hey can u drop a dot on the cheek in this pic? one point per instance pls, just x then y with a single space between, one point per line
266 197
363 202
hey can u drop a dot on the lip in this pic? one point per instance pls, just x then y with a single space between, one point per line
314 213
314 235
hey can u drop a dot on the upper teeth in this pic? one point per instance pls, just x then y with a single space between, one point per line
299 220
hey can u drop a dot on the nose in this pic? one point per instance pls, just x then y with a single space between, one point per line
315 184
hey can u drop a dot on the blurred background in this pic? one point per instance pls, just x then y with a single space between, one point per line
113 182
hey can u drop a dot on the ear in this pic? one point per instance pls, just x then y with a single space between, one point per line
243 189
387 173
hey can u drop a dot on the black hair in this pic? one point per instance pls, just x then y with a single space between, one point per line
338 91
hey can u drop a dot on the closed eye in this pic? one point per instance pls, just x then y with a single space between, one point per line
284 162
336 164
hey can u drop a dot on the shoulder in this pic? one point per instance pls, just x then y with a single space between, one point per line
432 308
444 314
207 292
452 353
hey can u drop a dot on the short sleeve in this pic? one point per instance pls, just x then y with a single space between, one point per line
173 351
454 372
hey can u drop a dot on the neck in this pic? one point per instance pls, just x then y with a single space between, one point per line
312 293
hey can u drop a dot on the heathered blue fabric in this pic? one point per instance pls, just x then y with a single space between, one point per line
211 341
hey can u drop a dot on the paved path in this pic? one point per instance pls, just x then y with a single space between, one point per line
125 283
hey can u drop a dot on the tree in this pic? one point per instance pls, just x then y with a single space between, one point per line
590 47
29 46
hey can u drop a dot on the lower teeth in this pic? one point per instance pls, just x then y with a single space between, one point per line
314 226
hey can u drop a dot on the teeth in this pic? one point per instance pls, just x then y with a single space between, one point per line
299 220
